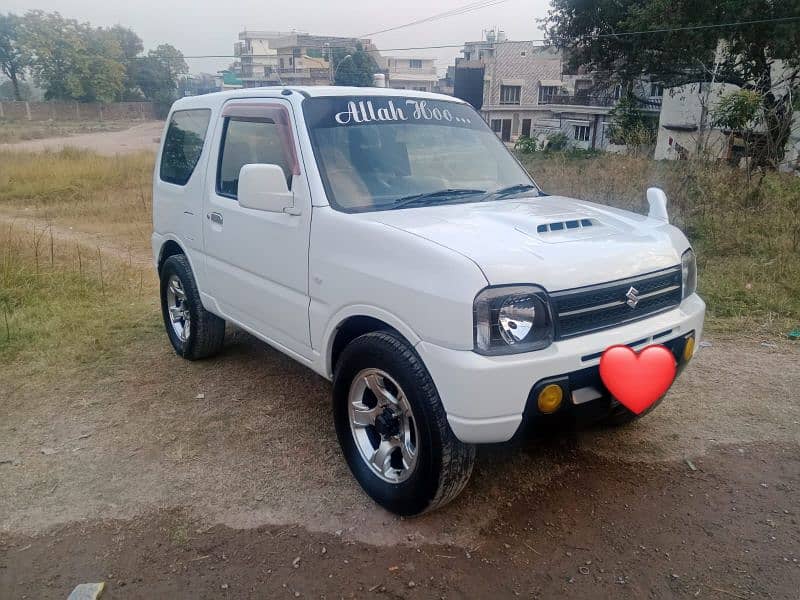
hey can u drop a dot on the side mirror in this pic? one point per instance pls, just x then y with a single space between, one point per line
263 187
658 204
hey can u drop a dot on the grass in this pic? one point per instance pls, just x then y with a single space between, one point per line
19 131
98 194
68 304
62 303
746 231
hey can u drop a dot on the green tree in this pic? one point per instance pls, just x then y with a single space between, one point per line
131 47
764 57
631 126
59 58
21 91
74 61
14 56
355 68
156 75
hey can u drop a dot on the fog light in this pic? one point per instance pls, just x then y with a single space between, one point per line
688 349
550 398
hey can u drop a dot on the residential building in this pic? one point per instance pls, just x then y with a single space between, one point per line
686 127
410 73
446 84
527 90
255 57
274 58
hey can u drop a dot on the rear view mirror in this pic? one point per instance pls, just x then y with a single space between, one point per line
263 187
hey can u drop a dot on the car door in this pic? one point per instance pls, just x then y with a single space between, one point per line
257 261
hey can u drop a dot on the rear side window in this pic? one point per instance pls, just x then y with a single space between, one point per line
183 144
249 141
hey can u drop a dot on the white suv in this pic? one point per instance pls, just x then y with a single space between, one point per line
389 241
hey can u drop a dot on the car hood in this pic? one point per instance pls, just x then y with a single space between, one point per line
556 242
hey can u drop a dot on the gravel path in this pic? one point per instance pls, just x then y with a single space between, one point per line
137 138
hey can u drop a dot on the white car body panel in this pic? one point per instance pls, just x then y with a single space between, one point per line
293 279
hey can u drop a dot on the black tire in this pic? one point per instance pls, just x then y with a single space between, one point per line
444 464
207 331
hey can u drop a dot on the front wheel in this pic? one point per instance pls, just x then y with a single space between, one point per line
393 429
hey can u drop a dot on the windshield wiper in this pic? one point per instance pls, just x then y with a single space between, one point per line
512 189
439 195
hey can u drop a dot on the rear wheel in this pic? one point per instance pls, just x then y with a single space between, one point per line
393 429
193 331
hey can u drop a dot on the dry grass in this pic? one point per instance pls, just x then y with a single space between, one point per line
20 131
67 304
62 303
746 231
98 194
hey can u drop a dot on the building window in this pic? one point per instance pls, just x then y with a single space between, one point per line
509 94
420 89
617 93
523 53
546 92
656 90
582 133
415 63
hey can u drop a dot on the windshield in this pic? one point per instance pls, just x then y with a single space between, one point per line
382 153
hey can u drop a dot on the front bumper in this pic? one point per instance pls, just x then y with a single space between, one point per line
486 396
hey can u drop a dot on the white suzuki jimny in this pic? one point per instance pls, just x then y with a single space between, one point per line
389 241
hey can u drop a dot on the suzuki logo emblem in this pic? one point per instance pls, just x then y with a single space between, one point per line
633 297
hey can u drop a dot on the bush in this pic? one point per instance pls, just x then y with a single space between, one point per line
526 145
556 142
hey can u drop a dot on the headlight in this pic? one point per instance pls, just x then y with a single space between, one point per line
512 319
689 272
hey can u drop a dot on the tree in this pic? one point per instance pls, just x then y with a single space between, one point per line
630 126
14 56
171 61
21 91
156 75
74 61
131 47
356 68
58 54
764 57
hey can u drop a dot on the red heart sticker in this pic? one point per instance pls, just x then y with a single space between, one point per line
637 380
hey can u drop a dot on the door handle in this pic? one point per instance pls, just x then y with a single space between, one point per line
215 217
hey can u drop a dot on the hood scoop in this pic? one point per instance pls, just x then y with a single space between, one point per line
567 230
565 225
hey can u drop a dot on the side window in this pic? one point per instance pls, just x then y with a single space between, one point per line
183 144
246 141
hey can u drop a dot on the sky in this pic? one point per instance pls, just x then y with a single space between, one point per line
202 27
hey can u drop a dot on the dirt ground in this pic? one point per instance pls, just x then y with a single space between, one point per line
137 138
223 479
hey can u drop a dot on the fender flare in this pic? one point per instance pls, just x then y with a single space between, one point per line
361 310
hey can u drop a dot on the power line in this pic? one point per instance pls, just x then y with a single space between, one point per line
443 15
696 27
535 41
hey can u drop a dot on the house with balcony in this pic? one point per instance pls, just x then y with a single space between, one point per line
410 73
527 90
274 58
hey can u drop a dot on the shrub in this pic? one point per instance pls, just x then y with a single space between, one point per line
556 142
526 145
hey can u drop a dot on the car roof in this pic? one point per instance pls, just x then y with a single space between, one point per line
219 98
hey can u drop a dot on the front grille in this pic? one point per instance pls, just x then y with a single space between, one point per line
591 308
